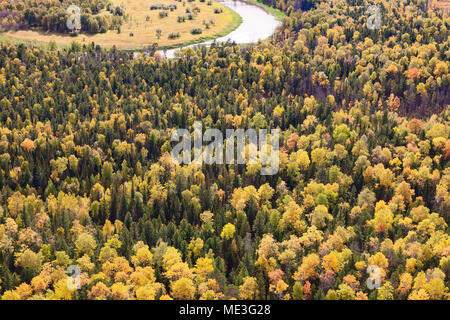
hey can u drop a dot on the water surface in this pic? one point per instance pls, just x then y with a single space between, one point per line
257 24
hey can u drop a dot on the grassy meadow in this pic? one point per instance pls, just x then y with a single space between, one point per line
142 24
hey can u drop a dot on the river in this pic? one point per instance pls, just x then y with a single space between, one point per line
257 24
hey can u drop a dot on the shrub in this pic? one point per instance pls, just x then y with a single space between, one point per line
120 11
159 6
174 35
196 31
93 26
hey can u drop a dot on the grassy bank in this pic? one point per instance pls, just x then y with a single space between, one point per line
275 12
7 39
235 23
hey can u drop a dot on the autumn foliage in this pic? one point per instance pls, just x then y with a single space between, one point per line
87 179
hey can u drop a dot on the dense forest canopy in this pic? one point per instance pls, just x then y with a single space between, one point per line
86 176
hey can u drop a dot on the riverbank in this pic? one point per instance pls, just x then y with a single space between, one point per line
280 15
258 24
235 23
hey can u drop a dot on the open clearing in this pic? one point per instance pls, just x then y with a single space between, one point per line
143 23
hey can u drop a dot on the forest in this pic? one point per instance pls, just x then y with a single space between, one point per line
86 176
